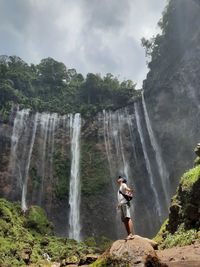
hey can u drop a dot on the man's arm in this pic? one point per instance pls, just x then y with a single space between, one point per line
128 188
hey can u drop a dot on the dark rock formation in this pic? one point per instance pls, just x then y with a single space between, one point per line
171 88
183 223
197 152
185 206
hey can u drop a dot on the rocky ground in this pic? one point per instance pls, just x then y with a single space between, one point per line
137 252
188 256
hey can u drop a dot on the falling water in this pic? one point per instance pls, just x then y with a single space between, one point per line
164 176
53 123
148 165
114 125
129 119
25 181
44 122
74 194
18 127
107 139
120 119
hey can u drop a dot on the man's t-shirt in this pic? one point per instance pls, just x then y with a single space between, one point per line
121 199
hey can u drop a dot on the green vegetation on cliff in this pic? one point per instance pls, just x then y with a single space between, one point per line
51 87
166 48
183 226
94 168
28 238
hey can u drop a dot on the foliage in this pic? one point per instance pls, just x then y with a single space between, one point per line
189 178
93 167
62 171
51 87
165 50
32 232
183 225
36 219
162 233
103 243
112 261
181 237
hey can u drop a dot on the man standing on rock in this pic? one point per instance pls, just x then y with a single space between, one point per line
124 206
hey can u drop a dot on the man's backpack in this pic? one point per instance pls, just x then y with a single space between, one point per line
128 195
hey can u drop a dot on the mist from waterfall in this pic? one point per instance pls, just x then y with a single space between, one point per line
18 127
114 125
148 165
26 128
44 126
37 132
164 175
74 193
124 134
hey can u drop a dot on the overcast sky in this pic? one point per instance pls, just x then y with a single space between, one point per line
99 36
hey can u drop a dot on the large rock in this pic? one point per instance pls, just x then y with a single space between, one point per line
137 252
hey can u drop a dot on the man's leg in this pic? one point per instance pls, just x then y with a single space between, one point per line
128 225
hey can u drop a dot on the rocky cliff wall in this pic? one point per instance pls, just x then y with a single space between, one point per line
111 145
171 89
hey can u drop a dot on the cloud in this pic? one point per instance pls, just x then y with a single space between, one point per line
89 35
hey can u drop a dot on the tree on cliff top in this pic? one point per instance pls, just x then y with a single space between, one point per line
51 87
176 34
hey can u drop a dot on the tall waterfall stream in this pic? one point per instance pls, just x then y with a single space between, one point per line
74 194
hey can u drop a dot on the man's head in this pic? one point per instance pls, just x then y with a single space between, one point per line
121 180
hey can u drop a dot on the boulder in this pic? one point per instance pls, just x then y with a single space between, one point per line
88 259
26 255
137 252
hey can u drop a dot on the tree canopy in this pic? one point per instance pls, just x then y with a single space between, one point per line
51 87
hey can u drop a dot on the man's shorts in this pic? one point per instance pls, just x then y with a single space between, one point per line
125 211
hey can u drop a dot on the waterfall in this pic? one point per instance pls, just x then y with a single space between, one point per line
114 123
114 128
148 165
44 129
18 127
164 176
120 119
25 128
74 194
53 123
25 180
107 139
131 132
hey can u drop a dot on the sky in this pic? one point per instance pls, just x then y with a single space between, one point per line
98 36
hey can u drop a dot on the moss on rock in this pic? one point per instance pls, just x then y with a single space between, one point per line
28 239
37 220
184 217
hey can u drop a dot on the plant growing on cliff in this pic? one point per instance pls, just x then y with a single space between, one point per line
182 227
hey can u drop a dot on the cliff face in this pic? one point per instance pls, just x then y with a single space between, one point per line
36 167
172 87
182 226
